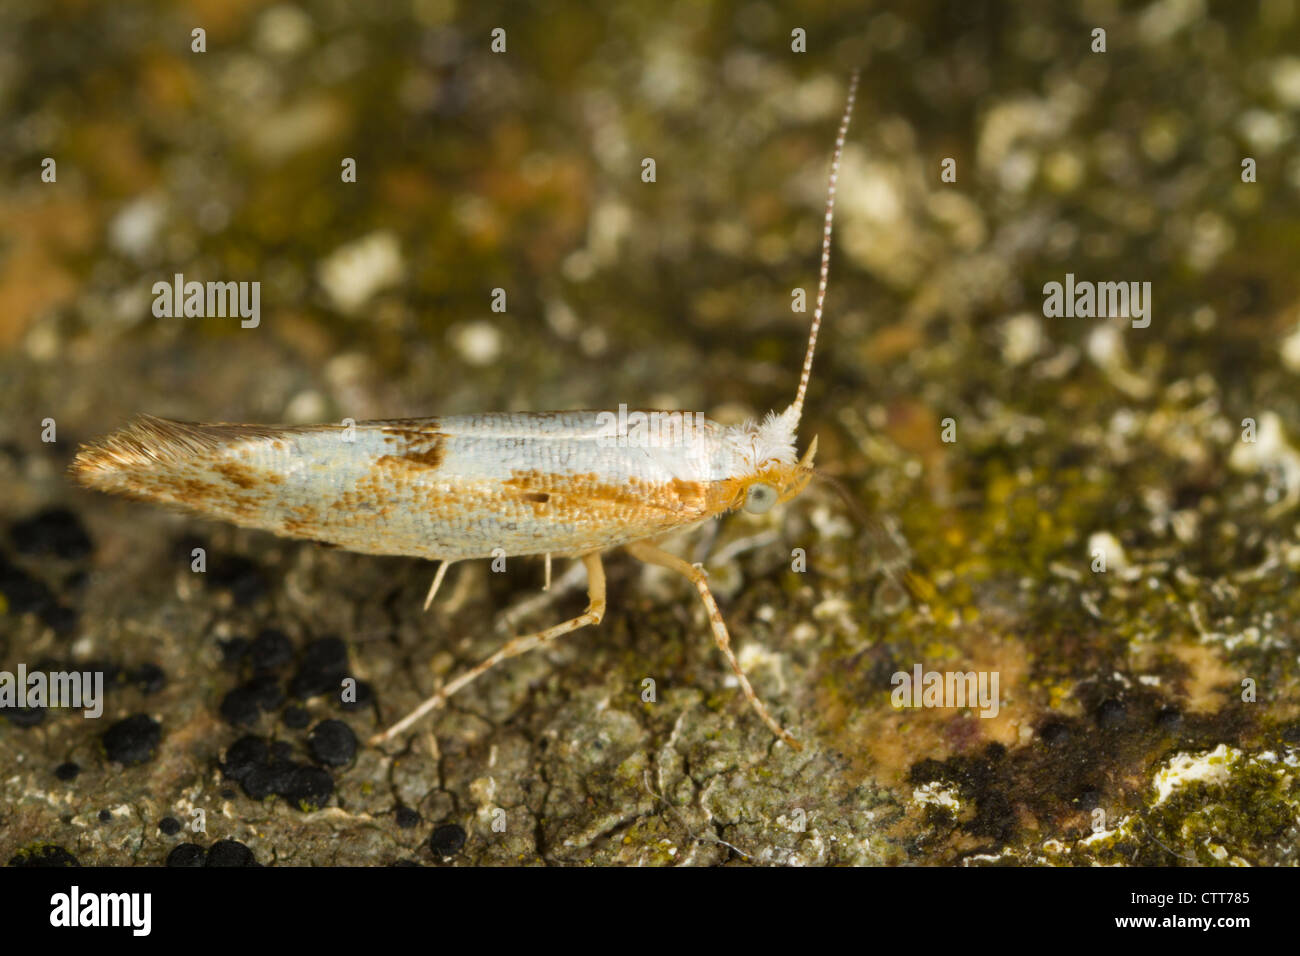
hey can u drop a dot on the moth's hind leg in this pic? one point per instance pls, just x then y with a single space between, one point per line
652 555
508 619
437 583
515 646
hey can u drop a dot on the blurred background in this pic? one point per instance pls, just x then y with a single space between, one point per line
522 170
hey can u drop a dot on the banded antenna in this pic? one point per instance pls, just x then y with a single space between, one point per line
797 407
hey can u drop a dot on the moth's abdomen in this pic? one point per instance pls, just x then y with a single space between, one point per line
450 488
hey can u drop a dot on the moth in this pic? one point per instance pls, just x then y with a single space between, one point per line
465 487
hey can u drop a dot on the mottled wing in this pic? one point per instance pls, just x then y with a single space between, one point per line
439 488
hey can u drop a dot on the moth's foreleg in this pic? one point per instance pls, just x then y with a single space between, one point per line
593 615
652 555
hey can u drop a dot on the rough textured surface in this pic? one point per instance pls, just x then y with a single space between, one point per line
1125 733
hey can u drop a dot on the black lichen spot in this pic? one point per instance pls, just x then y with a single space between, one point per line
281 750
105 816
186 854
242 706
59 618
295 717
1111 713
361 696
243 756
447 840
23 593
114 676
76 581
270 651
257 782
229 853
324 665
169 826
309 788
1169 718
274 777
234 651
240 577
1089 798
185 545
132 740
67 771
332 743
23 716
981 779
406 818
259 770
148 678
55 532
269 693
44 854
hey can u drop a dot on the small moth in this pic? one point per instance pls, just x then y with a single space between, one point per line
477 486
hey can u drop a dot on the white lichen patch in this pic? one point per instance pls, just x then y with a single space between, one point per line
831 607
1214 768
354 272
753 656
1104 546
479 343
1022 338
1193 835
830 524
937 794
1121 829
1271 454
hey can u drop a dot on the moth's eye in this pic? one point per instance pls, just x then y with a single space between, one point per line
759 498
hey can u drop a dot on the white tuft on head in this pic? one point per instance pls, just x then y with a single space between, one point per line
770 442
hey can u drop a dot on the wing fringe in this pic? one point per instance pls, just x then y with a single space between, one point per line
147 443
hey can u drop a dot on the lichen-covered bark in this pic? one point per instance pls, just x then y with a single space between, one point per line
1147 713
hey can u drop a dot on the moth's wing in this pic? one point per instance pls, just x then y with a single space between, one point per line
264 476
151 446
438 488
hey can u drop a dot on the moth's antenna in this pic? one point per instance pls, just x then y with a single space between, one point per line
797 407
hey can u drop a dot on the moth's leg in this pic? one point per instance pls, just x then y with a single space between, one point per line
437 582
508 620
593 615
652 555
547 585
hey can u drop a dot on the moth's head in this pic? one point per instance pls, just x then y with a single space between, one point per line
764 469
775 484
